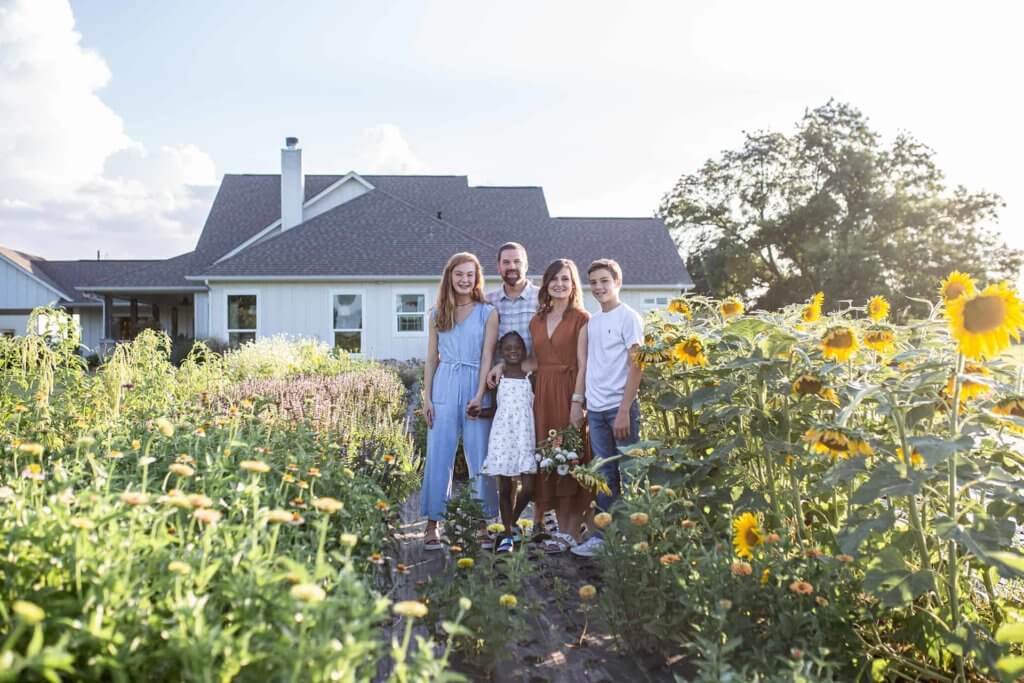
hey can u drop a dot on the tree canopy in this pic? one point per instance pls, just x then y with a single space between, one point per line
832 208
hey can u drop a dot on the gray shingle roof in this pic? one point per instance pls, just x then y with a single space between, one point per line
72 274
394 230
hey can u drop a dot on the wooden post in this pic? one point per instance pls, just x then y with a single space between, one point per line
133 317
174 322
156 312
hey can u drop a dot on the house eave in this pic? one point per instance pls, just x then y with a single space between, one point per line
402 278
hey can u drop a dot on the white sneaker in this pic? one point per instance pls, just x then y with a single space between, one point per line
588 548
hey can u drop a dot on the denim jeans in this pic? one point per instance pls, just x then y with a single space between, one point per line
603 444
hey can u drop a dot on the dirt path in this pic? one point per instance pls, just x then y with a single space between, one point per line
552 650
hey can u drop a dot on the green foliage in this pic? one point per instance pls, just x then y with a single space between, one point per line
831 208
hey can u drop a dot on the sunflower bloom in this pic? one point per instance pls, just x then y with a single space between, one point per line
812 311
956 285
969 388
916 458
836 442
746 534
983 324
730 308
839 343
881 339
1011 406
878 308
680 307
690 351
810 385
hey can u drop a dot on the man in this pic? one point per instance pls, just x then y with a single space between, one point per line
516 301
516 298
614 335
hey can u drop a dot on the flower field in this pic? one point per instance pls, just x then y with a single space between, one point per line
228 519
827 496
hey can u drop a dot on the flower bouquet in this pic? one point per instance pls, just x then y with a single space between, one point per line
559 452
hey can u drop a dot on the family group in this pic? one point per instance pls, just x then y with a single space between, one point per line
554 366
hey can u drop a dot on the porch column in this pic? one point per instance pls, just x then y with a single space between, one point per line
108 316
133 317
156 315
174 322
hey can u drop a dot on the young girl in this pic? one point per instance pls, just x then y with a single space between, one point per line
511 447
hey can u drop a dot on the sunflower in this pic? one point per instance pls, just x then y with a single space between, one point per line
809 385
812 311
880 338
650 354
968 387
837 442
730 308
956 285
746 534
915 456
984 323
680 307
690 351
839 343
1011 406
878 308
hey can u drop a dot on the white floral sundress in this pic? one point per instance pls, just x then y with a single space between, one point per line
512 444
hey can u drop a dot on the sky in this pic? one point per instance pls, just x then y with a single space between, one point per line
117 120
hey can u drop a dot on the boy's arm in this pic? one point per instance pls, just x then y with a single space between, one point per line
620 428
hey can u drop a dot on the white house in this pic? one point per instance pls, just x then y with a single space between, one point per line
352 259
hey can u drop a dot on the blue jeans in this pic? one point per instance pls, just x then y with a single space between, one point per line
603 444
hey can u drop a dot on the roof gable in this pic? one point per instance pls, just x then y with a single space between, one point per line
31 267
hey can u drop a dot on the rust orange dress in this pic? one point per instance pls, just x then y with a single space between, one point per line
555 385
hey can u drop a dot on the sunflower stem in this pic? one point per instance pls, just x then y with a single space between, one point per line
915 515
953 570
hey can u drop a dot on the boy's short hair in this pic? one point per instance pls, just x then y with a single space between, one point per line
608 264
510 245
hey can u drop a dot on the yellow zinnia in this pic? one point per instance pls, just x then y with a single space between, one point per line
878 308
839 343
969 388
411 609
731 307
956 285
812 311
747 534
880 339
984 323
680 307
690 351
508 600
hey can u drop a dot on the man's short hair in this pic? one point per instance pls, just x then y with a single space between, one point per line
510 245
608 264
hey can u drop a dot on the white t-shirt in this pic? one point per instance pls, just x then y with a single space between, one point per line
610 335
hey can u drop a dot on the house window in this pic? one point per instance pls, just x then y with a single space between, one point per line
241 319
655 301
6 333
348 322
410 313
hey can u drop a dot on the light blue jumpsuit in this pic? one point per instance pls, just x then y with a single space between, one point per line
455 383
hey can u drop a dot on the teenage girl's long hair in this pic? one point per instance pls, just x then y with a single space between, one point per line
444 318
544 301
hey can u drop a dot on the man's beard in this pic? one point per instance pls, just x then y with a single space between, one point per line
512 277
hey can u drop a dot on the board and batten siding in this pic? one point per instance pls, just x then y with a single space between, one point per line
20 291
304 309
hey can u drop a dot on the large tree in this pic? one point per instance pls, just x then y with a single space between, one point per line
832 208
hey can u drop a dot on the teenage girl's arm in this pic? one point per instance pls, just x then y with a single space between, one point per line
486 356
429 367
576 408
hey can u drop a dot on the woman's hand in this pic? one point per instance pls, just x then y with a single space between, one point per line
473 407
576 415
428 412
494 375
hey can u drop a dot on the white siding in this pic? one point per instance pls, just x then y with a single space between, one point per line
201 317
13 322
91 322
20 291
304 309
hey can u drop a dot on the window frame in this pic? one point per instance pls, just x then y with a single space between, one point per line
228 330
341 291
418 291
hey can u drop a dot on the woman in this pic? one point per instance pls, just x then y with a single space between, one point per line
463 330
559 331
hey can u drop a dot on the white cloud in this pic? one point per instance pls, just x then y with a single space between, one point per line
383 149
71 179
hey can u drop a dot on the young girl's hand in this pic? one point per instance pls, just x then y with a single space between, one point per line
428 412
473 407
576 415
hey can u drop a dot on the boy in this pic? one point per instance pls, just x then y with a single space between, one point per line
613 378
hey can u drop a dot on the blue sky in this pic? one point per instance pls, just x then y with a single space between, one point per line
125 115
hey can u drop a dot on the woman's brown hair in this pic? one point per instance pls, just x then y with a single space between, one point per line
544 302
444 312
